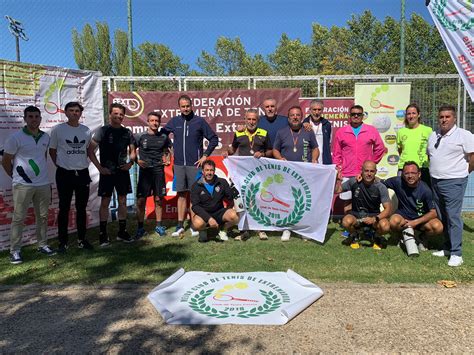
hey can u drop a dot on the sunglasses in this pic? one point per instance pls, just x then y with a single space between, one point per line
356 114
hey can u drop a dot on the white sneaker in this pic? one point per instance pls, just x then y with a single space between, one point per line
262 235
193 232
285 236
455 260
202 236
441 253
223 235
178 232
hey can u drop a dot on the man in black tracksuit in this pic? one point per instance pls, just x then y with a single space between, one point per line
207 199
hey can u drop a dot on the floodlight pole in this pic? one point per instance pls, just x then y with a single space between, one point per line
17 31
402 38
130 41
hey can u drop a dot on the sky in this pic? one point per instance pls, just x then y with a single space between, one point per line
186 26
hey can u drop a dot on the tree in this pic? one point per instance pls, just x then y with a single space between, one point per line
291 57
153 59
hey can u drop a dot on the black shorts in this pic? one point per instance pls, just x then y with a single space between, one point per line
151 181
219 214
363 214
120 181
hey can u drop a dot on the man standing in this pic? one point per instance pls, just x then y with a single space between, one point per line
69 149
322 130
24 160
207 198
153 154
451 153
367 194
416 208
353 145
271 121
293 143
254 142
188 130
116 146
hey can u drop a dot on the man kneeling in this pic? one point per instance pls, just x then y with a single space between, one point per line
207 199
365 217
416 208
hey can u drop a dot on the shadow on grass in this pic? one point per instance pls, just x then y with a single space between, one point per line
97 320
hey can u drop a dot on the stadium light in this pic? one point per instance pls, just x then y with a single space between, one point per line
17 30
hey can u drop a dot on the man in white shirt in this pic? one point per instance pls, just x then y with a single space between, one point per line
70 146
24 160
451 153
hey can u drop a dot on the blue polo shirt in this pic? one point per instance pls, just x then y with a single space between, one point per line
272 127
287 140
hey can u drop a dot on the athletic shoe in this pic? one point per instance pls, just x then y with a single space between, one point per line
262 235
345 234
202 236
124 237
422 247
441 253
223 235
104 243
193 232
243 237
161 230
285 236
62 248
178 232
376 246
15 258
141 232
84 244
455 260
355 243
47 251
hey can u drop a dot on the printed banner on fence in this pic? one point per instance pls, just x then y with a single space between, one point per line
454 20
384 105
269 298
222 109
49 89
280 195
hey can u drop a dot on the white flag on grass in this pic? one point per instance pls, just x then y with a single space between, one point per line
455 22
279 195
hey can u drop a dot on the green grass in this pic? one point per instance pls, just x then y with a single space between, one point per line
153 259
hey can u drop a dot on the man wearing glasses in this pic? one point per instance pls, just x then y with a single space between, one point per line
451 153
353 145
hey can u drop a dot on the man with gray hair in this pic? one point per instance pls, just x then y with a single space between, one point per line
451 153
321 128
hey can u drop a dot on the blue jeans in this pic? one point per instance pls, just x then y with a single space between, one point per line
448 195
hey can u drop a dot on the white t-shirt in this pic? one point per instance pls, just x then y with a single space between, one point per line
318 132
449 159
71 146
29 162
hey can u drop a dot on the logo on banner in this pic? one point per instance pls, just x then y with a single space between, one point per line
134 104
235 296
276 195
458 23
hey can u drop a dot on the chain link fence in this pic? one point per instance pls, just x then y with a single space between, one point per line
428 91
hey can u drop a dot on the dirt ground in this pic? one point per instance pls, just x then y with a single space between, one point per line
348 318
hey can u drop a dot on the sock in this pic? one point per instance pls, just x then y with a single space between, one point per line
122 225
103 227
180 224
158 223
140 225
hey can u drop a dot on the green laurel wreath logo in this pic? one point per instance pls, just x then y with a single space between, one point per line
198 304
293 218
438 10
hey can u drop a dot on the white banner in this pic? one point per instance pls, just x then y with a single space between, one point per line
198 297
49 89
455 22
279 195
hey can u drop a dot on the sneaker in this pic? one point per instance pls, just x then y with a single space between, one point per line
160 230
84 244
376 246
141 232
104 240
223 235
455 260
202 236
62 248
345 234
193 232
179 232
124 237
422 247
285 236
243 237
355 244
262 235
15 258
441 253
47 251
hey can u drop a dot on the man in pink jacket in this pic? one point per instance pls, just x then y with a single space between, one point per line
353 145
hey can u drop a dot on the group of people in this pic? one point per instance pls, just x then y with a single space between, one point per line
433 172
